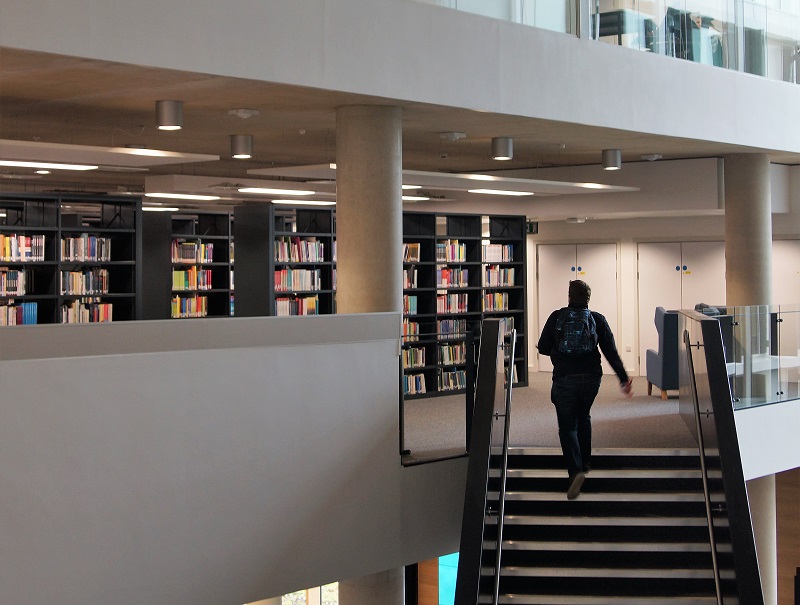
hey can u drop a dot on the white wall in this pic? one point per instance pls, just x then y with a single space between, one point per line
399 49
218 461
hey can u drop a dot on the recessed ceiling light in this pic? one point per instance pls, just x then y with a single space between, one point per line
159 209
46 165
411 186
305 202
268 191
592 185
415 198
43 172
183 196
500 192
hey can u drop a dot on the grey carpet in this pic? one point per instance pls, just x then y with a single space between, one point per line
435 427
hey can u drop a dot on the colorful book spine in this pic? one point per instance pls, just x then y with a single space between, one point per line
86 248
301 305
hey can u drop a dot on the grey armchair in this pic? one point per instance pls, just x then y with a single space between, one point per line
662 365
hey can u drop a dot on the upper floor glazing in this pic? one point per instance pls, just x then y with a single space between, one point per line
760 37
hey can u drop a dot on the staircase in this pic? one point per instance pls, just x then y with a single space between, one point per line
637 534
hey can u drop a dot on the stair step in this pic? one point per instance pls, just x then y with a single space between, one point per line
606 496
606 521
606 451
608 474
597 572
606 546
584 600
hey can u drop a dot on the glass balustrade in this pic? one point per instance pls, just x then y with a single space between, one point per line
760 37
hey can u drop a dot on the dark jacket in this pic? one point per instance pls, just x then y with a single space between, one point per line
585 364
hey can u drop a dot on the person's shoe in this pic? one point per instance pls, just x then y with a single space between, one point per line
586 469
575 486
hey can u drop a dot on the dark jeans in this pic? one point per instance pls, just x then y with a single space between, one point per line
573 396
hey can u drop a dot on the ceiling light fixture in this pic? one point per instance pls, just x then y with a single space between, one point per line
43 172
46 165
415 198
242 146
411 186
502 148
169 115
500 192
184 196
159 209
612 159
305 202
268 191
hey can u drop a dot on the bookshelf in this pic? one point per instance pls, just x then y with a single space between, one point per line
287 260
188 265
69 258
458 269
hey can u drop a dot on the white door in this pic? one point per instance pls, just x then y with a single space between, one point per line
703 274
597 266
786 292
659 269
557 266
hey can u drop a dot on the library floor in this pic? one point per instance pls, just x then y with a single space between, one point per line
435 427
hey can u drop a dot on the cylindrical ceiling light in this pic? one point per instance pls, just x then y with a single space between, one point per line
169 115
612 159
502 148
242 146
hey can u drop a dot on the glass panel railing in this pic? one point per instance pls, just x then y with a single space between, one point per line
762 352
760 37
559 16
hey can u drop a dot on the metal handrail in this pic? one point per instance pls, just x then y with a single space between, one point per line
504 468
703 468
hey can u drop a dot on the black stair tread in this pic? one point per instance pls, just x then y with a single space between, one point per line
606 546
602 600
607 451
586 495
607 572
646 521
627 473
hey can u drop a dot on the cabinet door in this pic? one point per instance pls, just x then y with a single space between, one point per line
597 266
703 273
659 269
557 266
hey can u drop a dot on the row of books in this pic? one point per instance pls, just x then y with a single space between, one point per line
409 305
413 384
189 306
301 305
451 303
19 248
86 248
495 301
411 252
456 327
287 280
409 278
414 357
452 278
410 330
89 281
453 354
451 251
12 282
296 250
192 278
86 312
19 314
453 381
192 252
497 253
494 276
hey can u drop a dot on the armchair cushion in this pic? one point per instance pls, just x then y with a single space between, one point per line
662 365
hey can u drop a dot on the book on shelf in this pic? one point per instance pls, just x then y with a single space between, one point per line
409 304
409 278
452 354
413 384
451 251
452 380
189 306
300 305
451 327
12 282
19 248
18 314
192 252
506 324
497 253
414 357
495 276
411 252
495 301
451 303
88 281
86 311
292 249
410 330
86 248
287 280
447 277
191 278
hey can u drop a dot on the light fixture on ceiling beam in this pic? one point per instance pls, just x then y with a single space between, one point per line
242 146
184 196
502 148
169 115
612 159
500 192
46 165
271 191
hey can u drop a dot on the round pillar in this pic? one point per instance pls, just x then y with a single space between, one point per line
369 210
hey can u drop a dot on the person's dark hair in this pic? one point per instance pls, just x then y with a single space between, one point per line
579 293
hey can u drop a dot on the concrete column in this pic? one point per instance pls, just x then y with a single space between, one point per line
748 276
748 230
386 588
369 211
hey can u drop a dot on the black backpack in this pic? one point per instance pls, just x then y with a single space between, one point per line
576 332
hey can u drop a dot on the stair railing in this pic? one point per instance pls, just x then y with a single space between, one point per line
703 469
512 347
